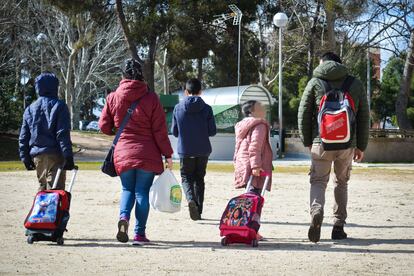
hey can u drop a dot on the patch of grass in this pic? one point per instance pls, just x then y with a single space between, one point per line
11 166
18 166
89 166
215 167
224 168
229 168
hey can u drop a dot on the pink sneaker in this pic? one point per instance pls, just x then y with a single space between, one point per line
140 240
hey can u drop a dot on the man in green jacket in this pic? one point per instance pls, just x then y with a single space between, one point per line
334 73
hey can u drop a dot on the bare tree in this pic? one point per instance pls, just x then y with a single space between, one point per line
83 51
391 28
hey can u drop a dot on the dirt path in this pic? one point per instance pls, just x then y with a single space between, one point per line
380 226
93 147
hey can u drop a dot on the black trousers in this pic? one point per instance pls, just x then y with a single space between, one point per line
193 170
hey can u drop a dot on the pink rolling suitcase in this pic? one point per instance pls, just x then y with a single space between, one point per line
240 221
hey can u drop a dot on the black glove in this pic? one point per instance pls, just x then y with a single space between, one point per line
29 164
69 165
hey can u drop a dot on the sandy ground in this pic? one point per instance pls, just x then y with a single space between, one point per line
380 227
92 147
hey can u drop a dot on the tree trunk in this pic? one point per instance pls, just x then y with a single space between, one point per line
75 114
124 25
311 50
69 94
165 73
17 77
330 25
200 68
404 93
149 64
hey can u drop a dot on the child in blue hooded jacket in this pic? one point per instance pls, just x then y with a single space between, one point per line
44 141
193 123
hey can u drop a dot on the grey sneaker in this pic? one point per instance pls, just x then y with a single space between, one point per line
314 233
193 209
122 235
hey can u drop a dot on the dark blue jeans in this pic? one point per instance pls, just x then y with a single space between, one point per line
136 184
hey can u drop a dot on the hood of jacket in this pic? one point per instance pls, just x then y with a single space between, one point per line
46 85
194 104
131 90
331 71
244 126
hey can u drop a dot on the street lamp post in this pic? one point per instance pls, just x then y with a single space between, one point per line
237 21
280 20
41 38
369 79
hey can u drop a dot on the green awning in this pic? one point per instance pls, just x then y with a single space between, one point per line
169 100
217 109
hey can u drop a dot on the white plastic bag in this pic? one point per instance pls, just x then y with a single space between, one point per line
165 194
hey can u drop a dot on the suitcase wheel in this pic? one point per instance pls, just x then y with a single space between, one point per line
255 243
60 241
224 241
30 239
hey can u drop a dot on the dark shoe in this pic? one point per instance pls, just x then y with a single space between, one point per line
122 235
314 233
338 233
69 164
192 207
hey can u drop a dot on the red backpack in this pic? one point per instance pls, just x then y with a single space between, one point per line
336 116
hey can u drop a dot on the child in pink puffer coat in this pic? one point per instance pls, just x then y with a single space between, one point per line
253 153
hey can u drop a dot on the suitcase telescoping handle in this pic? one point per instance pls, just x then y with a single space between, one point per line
72 181
266 184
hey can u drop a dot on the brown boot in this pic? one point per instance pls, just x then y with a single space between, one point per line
314 233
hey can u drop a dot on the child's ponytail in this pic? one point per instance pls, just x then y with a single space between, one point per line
247 108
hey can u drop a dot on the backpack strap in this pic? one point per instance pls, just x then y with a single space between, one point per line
325 84
347 83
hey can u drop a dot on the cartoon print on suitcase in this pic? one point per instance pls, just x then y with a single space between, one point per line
48 209
240 221
45 208
239 212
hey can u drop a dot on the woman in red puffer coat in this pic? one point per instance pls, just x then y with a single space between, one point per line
138 153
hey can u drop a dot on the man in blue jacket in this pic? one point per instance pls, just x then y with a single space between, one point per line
44 141
193 123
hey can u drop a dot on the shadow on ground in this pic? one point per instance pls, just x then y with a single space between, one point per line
351 245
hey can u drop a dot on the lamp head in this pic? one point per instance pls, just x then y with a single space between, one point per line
41 37
280 20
